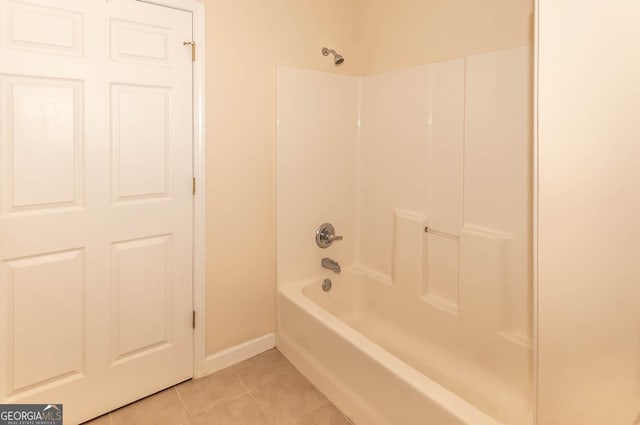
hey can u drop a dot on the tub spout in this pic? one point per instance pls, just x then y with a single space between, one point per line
328 263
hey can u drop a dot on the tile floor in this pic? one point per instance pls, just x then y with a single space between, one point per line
264 390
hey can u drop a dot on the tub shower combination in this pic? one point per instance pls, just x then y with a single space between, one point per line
419 311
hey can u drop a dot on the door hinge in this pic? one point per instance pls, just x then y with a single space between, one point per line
193 320
193 186
193 49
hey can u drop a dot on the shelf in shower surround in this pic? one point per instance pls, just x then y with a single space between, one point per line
441 233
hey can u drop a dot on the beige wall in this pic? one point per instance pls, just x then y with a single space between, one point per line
245 41
589 254
402 33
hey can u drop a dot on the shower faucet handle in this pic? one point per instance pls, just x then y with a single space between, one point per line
326 235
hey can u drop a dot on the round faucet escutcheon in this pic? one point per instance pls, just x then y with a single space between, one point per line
326 235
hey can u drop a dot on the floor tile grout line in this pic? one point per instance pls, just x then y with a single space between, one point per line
255 403
266 414
246 389
249 389
270 418
235 397
243 384
220 402
184 406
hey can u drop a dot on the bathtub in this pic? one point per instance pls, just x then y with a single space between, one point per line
384 359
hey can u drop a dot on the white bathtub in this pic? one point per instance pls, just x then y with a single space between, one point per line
388 359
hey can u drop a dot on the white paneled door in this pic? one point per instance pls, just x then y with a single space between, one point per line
95 202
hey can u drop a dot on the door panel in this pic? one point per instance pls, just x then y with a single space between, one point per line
140 151
53 282
42 27
142 284
95 202
137 42
44 143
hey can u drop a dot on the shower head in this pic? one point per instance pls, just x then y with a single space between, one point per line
337 58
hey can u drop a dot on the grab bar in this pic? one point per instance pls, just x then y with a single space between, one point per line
441 233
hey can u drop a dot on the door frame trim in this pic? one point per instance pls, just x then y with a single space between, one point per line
196 7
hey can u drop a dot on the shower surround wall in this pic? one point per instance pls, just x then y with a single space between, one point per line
444 146
316 174
448 145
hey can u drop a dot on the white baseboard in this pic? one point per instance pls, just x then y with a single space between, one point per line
230 356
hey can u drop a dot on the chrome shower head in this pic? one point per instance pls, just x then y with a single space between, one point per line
337 58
